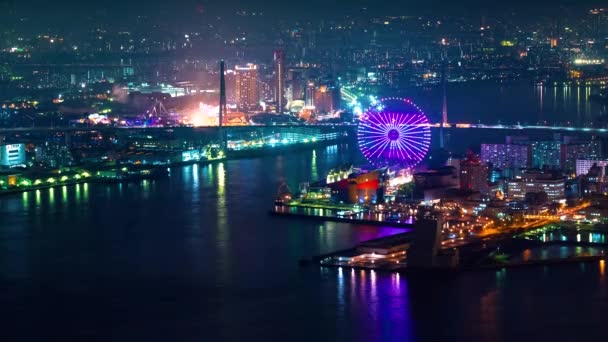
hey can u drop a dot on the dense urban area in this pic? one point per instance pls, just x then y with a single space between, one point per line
378 98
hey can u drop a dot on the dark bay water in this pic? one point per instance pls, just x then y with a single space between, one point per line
510 103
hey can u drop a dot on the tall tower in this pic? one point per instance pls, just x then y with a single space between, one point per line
444 107
222 95
279 74
222 105
310 94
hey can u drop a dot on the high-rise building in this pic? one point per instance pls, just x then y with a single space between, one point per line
598 21
279 79
310 94
326 99
546 154
246 90
570 153
296 83
596 150
473 174
506 156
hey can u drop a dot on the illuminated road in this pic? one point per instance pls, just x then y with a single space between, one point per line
531 222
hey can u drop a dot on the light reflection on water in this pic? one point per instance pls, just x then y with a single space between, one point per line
51 193
64 195
555 251
377 302
569 235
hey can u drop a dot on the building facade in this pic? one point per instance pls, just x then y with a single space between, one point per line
246 86
12 155
571 152
584 165
473 174
535 182
506 156
279 79
325 99
546 154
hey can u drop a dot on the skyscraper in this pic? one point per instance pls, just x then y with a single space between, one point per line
279 79
246 89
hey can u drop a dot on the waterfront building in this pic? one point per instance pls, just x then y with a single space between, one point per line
246 86
506 156
425 251
166 156
363 187
12 155
9 180
338 174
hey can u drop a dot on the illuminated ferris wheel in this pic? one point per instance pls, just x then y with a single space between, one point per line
394 131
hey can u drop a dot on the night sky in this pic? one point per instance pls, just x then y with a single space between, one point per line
74 15
281 6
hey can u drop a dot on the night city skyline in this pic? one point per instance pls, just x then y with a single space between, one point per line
265 170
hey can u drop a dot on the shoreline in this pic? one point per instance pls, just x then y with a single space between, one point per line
230 155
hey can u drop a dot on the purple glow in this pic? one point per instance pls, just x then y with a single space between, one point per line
395 132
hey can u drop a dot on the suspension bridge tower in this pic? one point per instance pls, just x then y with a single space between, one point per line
444 107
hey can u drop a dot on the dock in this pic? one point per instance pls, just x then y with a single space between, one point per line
334 218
